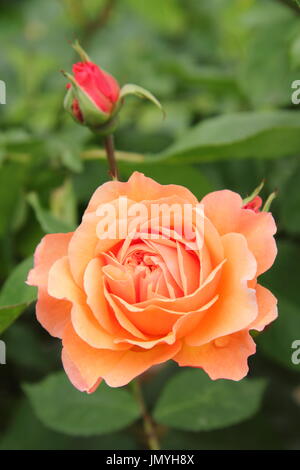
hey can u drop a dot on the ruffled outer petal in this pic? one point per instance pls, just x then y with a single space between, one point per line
259 229
267 308
117 368
236 307
138 188
53 314
52 247
74 375
225 210
225 358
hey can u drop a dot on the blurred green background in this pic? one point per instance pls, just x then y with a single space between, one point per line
223 70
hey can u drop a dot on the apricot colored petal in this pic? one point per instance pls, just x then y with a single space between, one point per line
90 331
267 308
122 318
75 376
179 324
61 284
52 247
151 343
85 245
151 321
138 188
107 192
82 246
205 264
213 244
120 282
189 269
236 307
223 208
53 314
94 289
188 322
117 368
225 358
136 361
170 258
90 362
259 229
174 290
192 301
143 188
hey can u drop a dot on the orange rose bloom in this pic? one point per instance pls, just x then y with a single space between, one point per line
124 304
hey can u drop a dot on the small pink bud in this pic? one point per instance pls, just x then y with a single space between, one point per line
254 205
101 87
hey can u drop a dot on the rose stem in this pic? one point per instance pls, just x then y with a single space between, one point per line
110 152
149 428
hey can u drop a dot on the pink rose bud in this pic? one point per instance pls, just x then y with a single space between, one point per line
255 204
94 98
102 88
93 95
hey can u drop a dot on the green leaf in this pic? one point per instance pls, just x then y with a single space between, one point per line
15 291
48 222
193 402
26 432
107 410
239 135
136 90
268 82
15 295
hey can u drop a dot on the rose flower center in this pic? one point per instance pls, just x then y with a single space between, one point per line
146 269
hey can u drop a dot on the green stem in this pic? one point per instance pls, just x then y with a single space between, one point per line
111 158
149 427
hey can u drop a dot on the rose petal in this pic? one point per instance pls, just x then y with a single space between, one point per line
120 283
259 229
53 314
117 368
87 327
237 306
225 358
61 284
74 375
94 288
52 247
223 209
267 308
